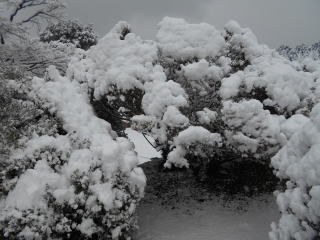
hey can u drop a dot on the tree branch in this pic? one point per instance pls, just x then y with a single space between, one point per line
149 142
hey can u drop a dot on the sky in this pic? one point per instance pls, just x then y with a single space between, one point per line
274 22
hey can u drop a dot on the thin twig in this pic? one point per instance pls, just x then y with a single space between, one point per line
149 142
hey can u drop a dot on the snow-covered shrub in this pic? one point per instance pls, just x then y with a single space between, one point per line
235 87
298 162
197 140
17 112
80 184
241 96
113 72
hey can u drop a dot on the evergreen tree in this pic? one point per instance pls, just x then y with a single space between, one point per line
300 52
70 31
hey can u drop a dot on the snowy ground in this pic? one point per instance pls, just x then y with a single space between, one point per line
142 147
209 222
195 220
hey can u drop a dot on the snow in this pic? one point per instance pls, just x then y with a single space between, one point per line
159 102
28 192
293 124
160 95
193 135
86 226
298 162
181 40
173 118
253 127
206 116
203 221
230 86
208 222
116 232
201 69
142 147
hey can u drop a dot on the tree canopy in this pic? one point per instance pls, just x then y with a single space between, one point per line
70 31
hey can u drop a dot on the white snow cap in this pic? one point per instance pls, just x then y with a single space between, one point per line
125 64
161 95
201 69
191 136
181 40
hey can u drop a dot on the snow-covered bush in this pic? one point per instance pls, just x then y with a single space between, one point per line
70 31
117 72
204 95
235 87
77 180
298 163
16 110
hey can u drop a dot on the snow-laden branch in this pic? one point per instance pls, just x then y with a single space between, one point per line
42 9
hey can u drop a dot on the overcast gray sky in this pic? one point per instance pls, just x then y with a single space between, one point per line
274 22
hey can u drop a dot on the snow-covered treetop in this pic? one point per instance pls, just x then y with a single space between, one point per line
180 40
125 63
300 52
70 31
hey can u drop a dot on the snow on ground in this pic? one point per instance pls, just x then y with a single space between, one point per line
195 220
142 147
209 221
